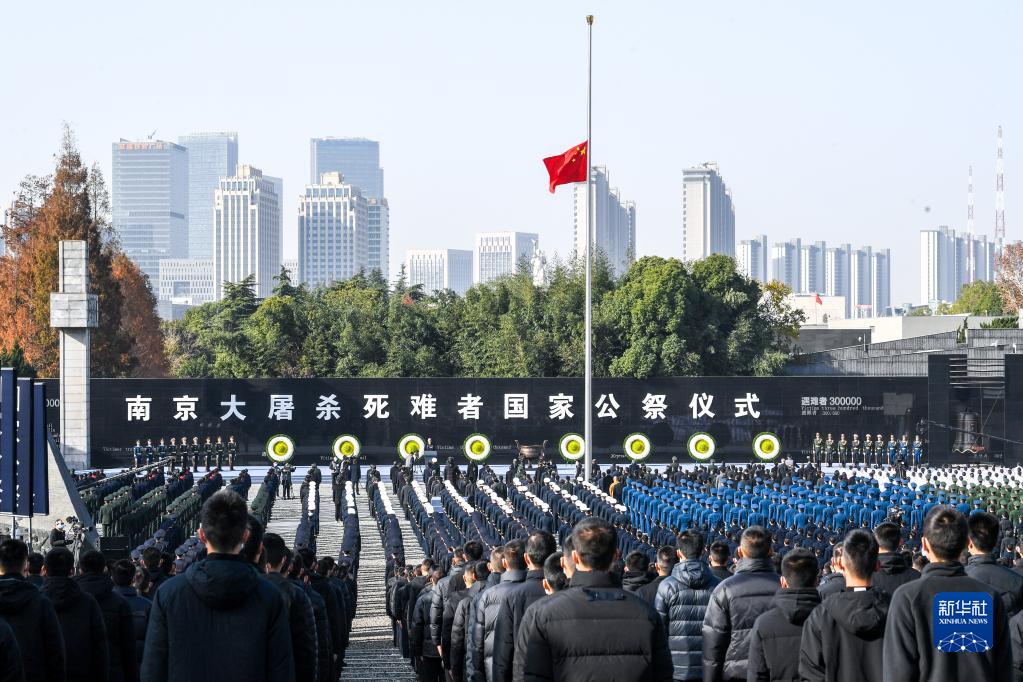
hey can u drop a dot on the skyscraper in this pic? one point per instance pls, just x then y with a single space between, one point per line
500 253
752 258
358 161
838 275
438 269
881 282
378 249
246 231
333 222
812 268
614 223
186 280
356 158
708 217
150 202
211 156
785 264
949 260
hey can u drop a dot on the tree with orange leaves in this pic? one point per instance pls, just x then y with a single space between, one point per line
1009 276
73 203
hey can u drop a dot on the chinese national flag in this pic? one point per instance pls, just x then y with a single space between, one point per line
817 298
568 167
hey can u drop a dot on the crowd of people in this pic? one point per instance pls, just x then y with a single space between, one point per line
759 572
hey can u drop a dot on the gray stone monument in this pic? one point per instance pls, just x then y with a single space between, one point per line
74 311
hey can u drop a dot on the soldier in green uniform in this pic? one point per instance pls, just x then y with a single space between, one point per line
855 448
878 449
232 452
829 449
868 449
843 449
816 449
218 452
207 452
195 450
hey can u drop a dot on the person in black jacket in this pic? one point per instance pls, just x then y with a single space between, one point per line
720 556
81 620
539 546
324 648
476 578
894 570
123 575
983 562
734 606
777 632
31 616
682 603
336 614
487 609
912 648
11 669
301 620
425 649
223 593
117 618
843 639
667 558
452 582
592 630
833 582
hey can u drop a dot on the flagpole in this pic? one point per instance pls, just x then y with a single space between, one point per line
588 378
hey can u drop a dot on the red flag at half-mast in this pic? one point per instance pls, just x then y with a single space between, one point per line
569 166
818 300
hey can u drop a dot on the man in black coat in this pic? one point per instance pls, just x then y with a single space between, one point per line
337 616
682 603
81 621
637 571
521 596
667 558
301 620
843 639
117 618
425 649
475 579
487 609
777 632
454 591
450 583
223 593
123 575
983 562
592 630
894 570
31 616
11 669
918 644
735 605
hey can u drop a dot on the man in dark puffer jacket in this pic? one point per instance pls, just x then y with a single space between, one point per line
777 633
894 569
486 610
117 618
592 630
81 621
983 563
682 602
123 575
843 639
734 606
31 616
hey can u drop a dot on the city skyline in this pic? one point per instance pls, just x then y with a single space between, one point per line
870 110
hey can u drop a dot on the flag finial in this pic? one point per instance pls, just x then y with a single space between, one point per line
589 19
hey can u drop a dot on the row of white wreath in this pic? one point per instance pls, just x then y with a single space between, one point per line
477 447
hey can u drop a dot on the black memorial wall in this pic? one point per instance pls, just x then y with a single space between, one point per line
379 412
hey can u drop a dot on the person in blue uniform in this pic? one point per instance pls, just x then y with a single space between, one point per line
136 454
918 450
150 451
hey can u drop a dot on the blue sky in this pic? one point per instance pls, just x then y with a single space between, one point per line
842 122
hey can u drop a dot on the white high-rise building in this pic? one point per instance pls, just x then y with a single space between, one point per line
614 224
439 269
499 253
785 264
812 268
187 281
378 236
752 258
708 216
247 231
838 274
949 260
333 225
870 282
881 282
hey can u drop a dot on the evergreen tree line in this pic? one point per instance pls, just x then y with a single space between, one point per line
661 318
